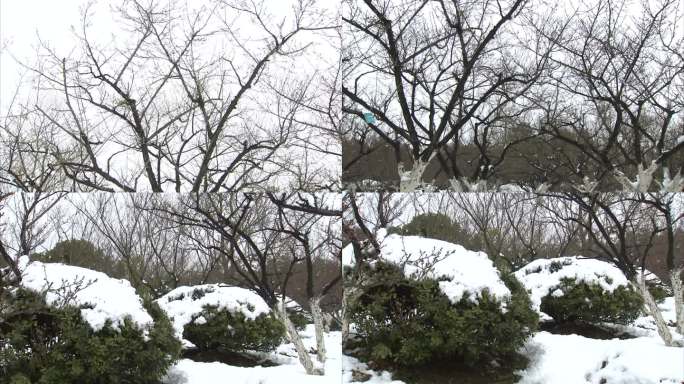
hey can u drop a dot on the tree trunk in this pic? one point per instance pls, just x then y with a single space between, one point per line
678 290
409 181
347 297
328 321
318 325
643 180
294 338
463 185
672 184
653 309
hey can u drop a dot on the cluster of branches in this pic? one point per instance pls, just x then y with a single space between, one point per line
220 97
589 98
616 227
160 242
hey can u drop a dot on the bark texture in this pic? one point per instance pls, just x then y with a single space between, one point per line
678 290
654 311
295 339
319 327
411 180
347 301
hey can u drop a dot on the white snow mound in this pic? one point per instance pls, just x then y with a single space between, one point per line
110 299
543 276
467 271
573 359
184 304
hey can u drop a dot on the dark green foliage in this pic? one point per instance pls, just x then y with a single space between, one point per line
299 318
659 291
591 303
557 266
432 225
80 253
226 331
410 322
55 345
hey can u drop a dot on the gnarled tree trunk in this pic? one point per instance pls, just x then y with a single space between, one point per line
654 311
348 298
295 339
317 314
410 180
678 290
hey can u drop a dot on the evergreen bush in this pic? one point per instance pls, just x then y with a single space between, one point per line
80 253
590 303
45 344
219 329
431 225
408 322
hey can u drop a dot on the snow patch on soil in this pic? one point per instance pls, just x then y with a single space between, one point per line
573 359
290 371
354 366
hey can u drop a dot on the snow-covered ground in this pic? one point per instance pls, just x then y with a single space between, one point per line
574 359
290 371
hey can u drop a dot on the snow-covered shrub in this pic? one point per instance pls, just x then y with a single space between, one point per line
220 317
56 344
63 324
409 321
659 291
426 299
580 301
223 330
580 289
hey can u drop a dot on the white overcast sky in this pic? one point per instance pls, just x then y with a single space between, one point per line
23 22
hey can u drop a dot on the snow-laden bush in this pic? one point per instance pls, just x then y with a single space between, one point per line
58 328
223 330
579 289
410 321
224 318
590 303
428 299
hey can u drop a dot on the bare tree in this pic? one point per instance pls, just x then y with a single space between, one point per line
622 232
263 238
31 228
365 247
436 75
611 100
6 257
201 99
297 221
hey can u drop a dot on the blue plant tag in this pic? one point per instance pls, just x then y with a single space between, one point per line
369 117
